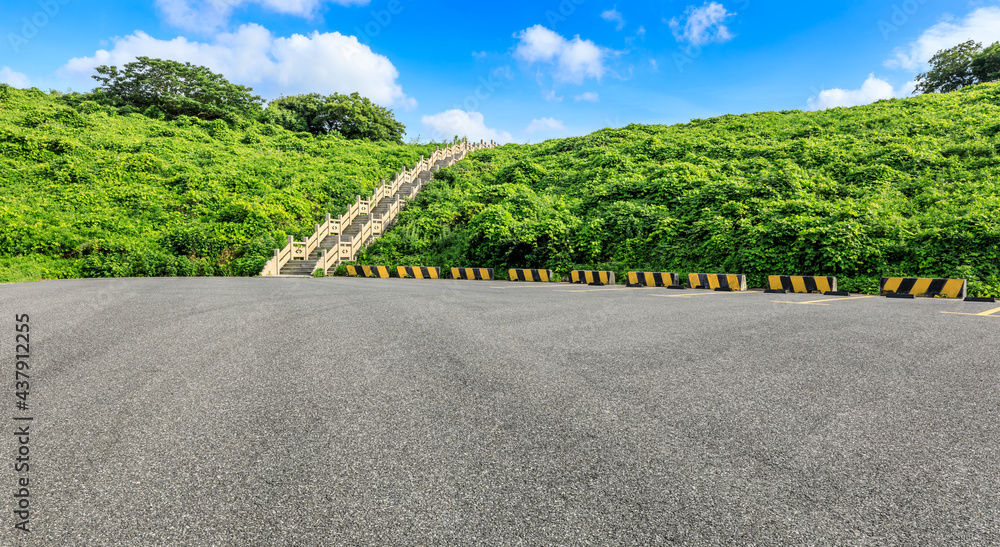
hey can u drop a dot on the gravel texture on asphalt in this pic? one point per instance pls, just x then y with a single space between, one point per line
405 412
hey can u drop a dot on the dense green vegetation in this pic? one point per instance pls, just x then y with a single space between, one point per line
89 189
901 187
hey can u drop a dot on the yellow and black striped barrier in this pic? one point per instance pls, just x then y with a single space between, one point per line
910 287
591 277
418 272
369 271
721 282
654 279
477 274
802 283
531 275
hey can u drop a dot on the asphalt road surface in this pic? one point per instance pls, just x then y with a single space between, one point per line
405 412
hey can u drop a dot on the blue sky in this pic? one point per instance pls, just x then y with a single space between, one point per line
513 71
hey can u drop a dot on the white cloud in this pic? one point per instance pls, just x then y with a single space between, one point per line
539 44
872 90
13 79
907 89
575 59
464 124
589 96
552 97
614 16
547 125
703 25
208 15
655 65
641 33
321 63
982 25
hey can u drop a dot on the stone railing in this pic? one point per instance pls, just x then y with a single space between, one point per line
347 247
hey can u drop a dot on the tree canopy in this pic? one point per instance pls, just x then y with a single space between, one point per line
960 66
168 89
177 89
352 116
986 64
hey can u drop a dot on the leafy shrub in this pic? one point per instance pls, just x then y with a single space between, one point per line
901 187
351 116
87 192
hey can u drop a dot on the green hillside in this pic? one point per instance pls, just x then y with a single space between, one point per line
902 187
86 191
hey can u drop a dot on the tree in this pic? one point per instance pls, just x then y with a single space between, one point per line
299 113
963 65
950 69
986 64
352 116
177 89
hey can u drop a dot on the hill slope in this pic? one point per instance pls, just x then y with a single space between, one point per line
900 187
87 192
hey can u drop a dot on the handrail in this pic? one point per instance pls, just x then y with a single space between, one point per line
337 226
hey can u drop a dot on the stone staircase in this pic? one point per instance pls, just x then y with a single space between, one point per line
337 237
305 268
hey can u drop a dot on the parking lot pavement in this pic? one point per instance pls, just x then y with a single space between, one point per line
368 412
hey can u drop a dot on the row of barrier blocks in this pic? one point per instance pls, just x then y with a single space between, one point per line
543 276
368 271
893 287
592 277
420 272
654 279
474 274
912 287
719 282
802 284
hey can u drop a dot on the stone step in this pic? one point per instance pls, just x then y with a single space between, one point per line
328 243
299 267
305 267
356 224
